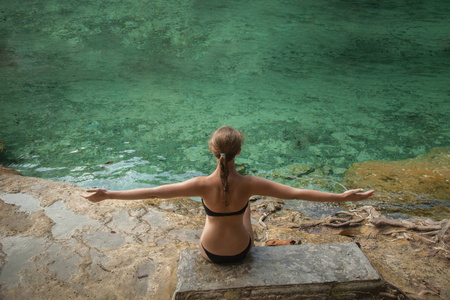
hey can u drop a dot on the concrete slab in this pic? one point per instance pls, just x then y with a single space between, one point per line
282 272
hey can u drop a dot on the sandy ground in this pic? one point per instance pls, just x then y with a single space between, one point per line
55 244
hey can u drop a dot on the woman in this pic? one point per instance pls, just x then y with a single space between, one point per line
227 235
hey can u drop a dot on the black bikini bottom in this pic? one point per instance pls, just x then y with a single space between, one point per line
223 259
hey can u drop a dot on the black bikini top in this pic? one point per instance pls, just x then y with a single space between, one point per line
215 214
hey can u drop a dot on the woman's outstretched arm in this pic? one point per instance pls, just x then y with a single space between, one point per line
189 188
264 187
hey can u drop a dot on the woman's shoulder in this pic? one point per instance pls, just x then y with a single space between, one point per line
258 184
254 179
199 179
207 180
252 182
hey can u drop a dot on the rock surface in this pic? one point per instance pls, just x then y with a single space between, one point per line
325 271
55 244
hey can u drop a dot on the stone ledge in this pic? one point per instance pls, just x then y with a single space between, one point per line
284 272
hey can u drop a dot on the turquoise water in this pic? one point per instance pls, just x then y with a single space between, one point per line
122 94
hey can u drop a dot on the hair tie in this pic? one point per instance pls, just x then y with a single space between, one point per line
222 154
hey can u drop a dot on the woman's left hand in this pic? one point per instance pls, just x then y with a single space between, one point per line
356 195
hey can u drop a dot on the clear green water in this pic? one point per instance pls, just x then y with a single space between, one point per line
142 84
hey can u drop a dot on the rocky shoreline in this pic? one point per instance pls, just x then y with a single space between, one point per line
55 244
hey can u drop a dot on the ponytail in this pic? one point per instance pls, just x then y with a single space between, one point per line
225 144
224 176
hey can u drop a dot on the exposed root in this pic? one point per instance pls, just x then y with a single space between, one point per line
425 292
344 213
269 209
442 249
388 296
433 240
429 231
409 224
396 291
403 236
394 232
263 217
345 223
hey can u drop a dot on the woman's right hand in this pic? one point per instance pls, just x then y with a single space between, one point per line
96 196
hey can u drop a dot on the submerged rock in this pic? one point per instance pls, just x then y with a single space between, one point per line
242 169
424 180
427 174
293 171
8 171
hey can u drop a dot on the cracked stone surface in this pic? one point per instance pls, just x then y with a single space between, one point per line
298 269
55 244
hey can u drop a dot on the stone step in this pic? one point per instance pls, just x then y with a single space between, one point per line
322 271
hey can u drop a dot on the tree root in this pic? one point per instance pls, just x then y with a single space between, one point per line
263 217
268 209
437 233
398 291
336 222
417 225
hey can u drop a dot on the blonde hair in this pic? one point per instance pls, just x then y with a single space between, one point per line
225 144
